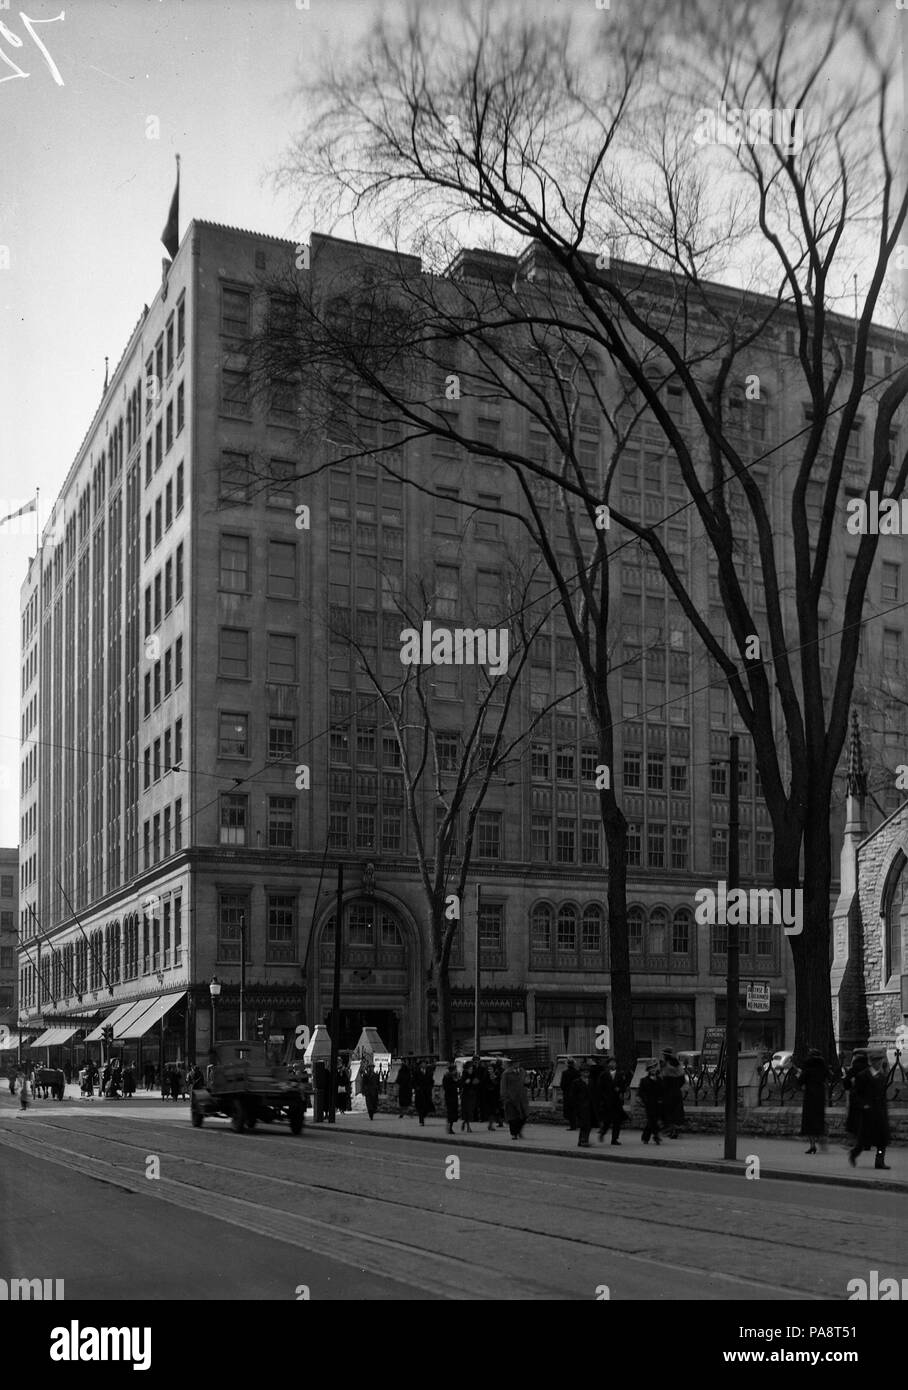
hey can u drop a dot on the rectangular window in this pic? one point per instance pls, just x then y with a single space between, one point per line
680 835
281 742
178 743
233 736
234 563
447 512
365 826
147 533
179 582
168 416
157 599
339 824
178 662
181 323
718 848
169 336
168 750
179 488
158 518
718 779
168 506
234 393
181 407
655 772
156 760
391 828
590 841
280 821
540 761
565 762
235 478
281 569
234 311
655 846
156 839
157 684
491 934
233 911
158 445
146 781
233 653
147 693
589 761
281 942
541 839
234 811
678 777
447 590
281 657
168 586
167 834
565 841
633 769
178 831
168 672
634 845
488 835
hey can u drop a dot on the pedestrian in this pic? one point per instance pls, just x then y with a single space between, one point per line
450 1089
22 1084
11 1074
514 1097
177 1084
469 1095
369 1087
488 1094
148 1076
425 1075
650 1092
404 1090
672 1074
67 1072
608 1106
813 1077
568 1077
343 1087
868 1118
581 1101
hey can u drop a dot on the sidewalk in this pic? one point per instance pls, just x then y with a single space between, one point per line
779 1158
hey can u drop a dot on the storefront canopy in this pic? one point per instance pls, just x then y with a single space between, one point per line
145 1015
119 1012
55 1037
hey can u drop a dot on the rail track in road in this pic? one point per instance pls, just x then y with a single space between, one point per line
397 1216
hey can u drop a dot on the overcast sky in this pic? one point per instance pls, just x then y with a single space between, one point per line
85 195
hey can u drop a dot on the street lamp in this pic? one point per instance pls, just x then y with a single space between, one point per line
214 990
23 1023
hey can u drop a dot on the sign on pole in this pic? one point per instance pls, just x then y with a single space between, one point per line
758 995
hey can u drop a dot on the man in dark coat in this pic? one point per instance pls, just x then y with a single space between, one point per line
568 1077
581 1102
609 1108
813 1077
514 1097
650 1092
672 1074
868 1118
450 1089
404 1089
422 1089
469 1095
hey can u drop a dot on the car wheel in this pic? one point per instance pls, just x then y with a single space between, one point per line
197 1117
295 1117
237 1118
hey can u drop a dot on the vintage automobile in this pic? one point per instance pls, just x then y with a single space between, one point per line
243 1084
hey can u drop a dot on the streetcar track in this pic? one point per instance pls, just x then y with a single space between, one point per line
484 1224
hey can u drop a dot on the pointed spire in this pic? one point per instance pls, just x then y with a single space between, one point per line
856 780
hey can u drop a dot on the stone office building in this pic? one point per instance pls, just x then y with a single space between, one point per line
179 650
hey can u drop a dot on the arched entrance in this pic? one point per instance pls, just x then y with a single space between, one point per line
381 974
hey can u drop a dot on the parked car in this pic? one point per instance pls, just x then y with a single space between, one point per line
243 1084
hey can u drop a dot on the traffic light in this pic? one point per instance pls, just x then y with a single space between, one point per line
107 1032
260 1021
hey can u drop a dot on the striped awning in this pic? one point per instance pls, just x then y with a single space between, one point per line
96 1034
136 1025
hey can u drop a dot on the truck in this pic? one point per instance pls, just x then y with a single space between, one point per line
243 1084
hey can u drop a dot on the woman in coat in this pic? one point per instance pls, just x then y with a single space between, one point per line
369 1086
450 1090
814 1075
672 1093
650 1092
514 1096
469 1096
404 1089
581 1102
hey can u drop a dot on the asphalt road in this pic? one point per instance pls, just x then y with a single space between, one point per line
331 1215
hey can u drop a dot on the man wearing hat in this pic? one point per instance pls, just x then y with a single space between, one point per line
651 1095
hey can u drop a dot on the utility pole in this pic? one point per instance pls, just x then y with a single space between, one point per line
476 1048
335 995
733 980
242 977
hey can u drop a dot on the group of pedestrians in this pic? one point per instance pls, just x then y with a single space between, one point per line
867 1116
490 1093
593 1096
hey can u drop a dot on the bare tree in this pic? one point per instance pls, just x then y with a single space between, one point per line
584 143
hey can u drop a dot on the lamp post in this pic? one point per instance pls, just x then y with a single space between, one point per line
22 1021
214 990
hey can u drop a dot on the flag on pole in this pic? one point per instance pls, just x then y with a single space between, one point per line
171 233
31 506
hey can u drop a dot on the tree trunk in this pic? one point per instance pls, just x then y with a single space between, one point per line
442 983
811 949
615 827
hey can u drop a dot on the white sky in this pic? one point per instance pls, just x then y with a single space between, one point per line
85 195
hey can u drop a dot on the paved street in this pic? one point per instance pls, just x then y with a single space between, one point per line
370 1216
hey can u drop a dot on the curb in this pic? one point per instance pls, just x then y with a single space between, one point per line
706 1165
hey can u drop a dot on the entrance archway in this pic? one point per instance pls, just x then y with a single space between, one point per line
381 974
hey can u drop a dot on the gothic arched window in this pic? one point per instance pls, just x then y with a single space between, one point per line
893 898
